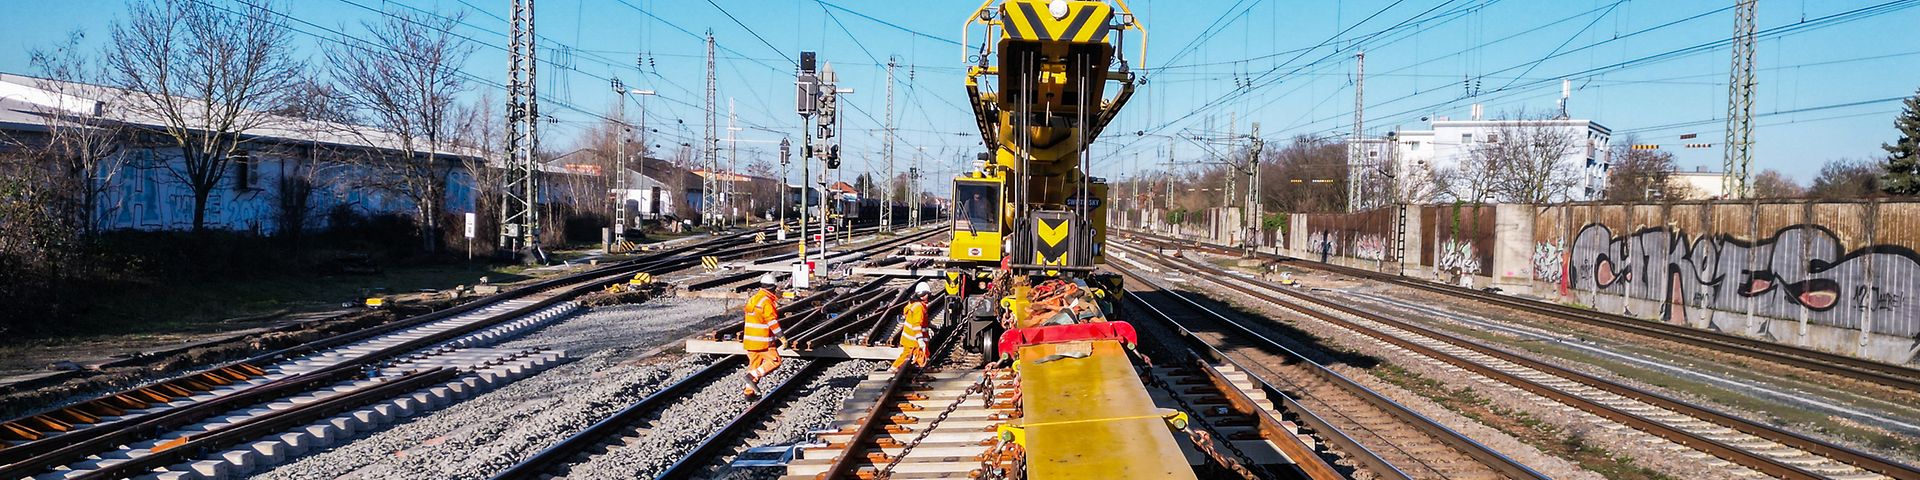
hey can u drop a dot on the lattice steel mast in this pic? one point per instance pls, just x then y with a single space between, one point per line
710 185
1739 144
886 207
1356 154
520 190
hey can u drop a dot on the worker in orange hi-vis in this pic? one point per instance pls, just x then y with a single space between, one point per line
913 331
763 329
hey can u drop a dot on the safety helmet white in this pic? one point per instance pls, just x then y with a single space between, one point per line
767 279
921 288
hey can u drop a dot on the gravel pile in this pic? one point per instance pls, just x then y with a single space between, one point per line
679 428
813 409
620 361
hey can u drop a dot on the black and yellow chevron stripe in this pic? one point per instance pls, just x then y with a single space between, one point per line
1085 22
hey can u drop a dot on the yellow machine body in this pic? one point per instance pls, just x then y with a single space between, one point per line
1039 99
1086 415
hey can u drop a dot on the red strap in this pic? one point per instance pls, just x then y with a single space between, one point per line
1012 340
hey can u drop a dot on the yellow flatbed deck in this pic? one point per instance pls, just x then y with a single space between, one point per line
1091 417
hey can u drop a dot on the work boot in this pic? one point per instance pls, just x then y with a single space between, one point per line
750 393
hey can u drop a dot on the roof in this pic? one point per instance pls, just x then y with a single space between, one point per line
26 103
1568 122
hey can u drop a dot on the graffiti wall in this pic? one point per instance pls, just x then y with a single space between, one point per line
1847 266
1459 238
1362 235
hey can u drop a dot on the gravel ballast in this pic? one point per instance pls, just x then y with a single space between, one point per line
621 360
813 409
679 428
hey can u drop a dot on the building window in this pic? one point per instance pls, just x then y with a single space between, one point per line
1493 137
246 174
1413 145
1466 139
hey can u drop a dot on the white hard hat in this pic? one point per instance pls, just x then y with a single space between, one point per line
767 279
921 288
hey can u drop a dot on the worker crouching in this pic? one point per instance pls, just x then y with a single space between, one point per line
913 329
761 332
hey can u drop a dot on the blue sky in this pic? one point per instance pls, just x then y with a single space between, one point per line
1826 88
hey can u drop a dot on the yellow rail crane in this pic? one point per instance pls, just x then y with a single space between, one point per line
1038 86
1029 234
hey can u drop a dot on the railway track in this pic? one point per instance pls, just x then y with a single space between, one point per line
1842 366
239 417
1379 434
631 423
1750 447
863 308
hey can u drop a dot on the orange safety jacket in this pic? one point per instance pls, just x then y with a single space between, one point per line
913 332
763 321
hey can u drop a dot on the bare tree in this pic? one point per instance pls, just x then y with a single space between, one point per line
1306 175
316 101
205 76
1846 178
79 153
1527 163
1771 183
306 170
1471 180
477 129
406 83
1641 175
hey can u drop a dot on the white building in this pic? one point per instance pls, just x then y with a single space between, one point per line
143 193
1699 183
1449 143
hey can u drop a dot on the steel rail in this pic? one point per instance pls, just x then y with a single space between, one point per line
1761 463
17 453
689 465
1332 434
844 465
560 453
36 456
199 445
1844 366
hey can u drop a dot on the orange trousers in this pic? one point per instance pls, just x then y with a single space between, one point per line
918 354
760 363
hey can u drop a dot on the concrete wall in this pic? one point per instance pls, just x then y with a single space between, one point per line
1837 276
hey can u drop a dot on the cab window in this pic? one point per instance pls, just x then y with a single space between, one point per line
976 207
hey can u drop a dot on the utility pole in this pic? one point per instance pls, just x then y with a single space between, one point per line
1739 144
733 165
1170 167
1356 154
710 186
886 207
619 170
913 189
520 195
1255 219
621 219
1227 194
1133 198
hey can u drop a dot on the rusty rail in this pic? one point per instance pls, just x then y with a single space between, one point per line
1745 458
